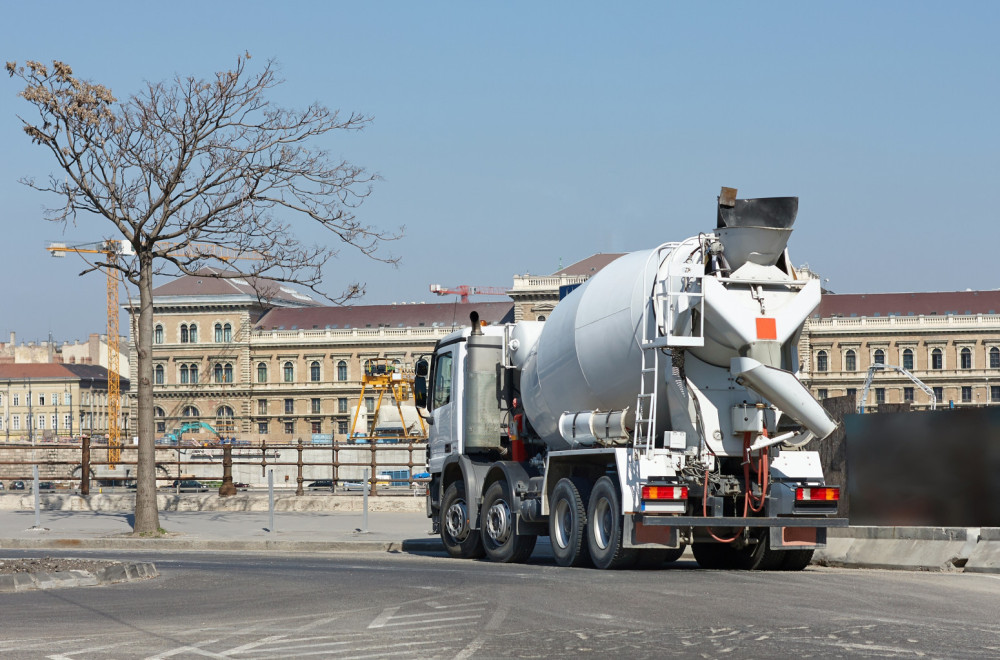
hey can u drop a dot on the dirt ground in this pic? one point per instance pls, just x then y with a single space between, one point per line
51 565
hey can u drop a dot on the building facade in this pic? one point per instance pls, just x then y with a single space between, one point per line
949 341
54 402
279 370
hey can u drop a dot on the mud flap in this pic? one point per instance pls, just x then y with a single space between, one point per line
798 538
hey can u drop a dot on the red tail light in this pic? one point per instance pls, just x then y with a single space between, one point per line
824 494
664 492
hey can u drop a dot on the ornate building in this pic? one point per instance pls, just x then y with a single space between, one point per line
281 369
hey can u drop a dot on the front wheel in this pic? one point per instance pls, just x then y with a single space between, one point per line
459 539
606 527
501 541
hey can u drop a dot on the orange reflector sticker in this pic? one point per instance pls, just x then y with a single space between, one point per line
766 329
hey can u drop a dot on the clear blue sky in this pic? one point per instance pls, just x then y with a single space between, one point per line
514 135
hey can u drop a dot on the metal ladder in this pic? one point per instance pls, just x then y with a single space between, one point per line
664 302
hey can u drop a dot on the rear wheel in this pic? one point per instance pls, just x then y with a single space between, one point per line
568 523
715 556
459 539
605 527
501 542
673 554
796 560
760 556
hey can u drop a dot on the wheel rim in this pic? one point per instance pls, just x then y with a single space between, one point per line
563 524
603 523
498 526
455 519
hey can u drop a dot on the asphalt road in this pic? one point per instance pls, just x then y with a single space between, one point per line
409 606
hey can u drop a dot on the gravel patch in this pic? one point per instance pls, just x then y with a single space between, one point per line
52 565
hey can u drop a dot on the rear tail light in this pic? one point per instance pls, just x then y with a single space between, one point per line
824 494
664 492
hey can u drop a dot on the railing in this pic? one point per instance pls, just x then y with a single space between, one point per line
897 323
391 466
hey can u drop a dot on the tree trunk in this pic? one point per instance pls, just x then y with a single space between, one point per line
147 518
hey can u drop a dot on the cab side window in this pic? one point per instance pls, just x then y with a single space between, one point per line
442 380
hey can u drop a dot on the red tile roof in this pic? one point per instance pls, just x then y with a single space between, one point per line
191 285
388 316
590 265
908 304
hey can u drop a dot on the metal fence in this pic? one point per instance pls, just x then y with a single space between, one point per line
337 467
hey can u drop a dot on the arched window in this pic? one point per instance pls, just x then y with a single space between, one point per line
158 412
937 359
908 359
161 423
341 370
184 374
224 420
218 332
995 358
158 374
184 333
193 369
822 361
541 318
193 331
227 333
288 372
879 356
190 411
158 334
850 360
227 372
314 371
966 358
261 372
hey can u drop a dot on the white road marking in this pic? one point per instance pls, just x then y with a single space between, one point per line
189 649
433 620
477 643
382 618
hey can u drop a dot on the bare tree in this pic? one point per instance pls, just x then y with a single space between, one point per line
187 165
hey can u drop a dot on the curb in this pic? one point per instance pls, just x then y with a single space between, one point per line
194 545
126 572
957 549
241 502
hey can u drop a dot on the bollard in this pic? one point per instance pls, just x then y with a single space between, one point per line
85 466
227 488
298 479
364 497
38 512
270 500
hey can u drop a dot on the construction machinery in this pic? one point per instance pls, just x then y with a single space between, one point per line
878 366
382 378
656 408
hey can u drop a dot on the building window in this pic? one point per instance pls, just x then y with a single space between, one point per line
15 422
317 427
224 420
158 334
41 421
908 359
995 393
161 423
289 428
289 406
184 333
261 372
193 332
224 373
821 393
341 370
939 394
342 426
17 399
218 333
850 361
227 333
822 361
262 427
315 407
158 374
67 399
314 372
342 405
852 392
41 398
908 394
937 359
879 356
966 358
370 404
193 369
184 374
995 358
880 395
190 411
261 406
288 372
966 394
67 420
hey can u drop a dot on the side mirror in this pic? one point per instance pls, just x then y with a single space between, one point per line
420 391
421 368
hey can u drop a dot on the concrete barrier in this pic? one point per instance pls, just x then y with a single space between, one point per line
913 548
212 502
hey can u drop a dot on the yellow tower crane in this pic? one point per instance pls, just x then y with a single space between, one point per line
112 250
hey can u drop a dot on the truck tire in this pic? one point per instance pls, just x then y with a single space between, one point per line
760 556
459 540
501 542
796 560
605 527
568 524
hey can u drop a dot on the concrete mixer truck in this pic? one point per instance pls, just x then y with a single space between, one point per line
656 408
